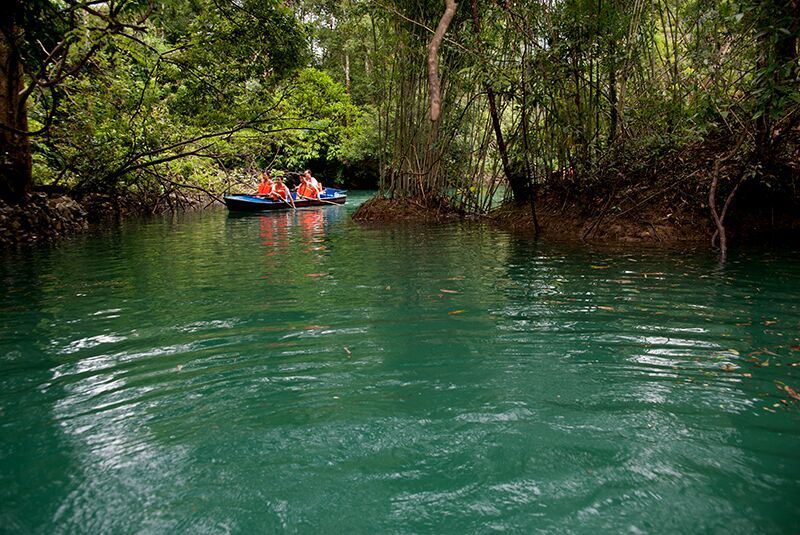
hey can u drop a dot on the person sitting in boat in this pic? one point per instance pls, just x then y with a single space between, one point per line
314 182
281 192
308 187
267 185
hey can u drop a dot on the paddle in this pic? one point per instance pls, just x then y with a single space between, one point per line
288 202
269 196
318 199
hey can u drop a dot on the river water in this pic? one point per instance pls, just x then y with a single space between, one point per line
301 372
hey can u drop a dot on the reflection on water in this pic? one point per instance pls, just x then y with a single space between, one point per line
298 371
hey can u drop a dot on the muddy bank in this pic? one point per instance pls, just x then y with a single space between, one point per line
42 218
638 214
649 196
382 209
668 197
572 220
50 216
558 220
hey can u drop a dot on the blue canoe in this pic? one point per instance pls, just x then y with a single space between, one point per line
260 203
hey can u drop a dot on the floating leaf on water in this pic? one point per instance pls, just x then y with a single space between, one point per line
444 291
349 354
316 274
454 312
606 308
770 322
728 367
794 348
768 409
600 267
792 392
748 375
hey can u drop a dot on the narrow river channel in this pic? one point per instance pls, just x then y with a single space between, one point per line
302 372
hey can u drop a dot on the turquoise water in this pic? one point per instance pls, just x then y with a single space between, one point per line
301 372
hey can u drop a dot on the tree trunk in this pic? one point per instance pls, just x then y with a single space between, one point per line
528 168
612 94
15 145
516 181
347 71
434 88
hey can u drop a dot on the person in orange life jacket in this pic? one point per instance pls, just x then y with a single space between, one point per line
267 185
281 192
308 187
315 185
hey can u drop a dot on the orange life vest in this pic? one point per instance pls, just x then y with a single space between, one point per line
266 187
280 191
305 190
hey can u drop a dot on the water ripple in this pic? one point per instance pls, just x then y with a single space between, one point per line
298 372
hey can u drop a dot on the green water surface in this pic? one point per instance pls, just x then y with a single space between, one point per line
301 372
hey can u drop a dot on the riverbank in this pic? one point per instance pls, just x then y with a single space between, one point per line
653 196
670 196
423 209
50 216
42 218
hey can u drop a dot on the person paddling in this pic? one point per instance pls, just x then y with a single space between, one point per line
267 186
281 192
314 183
308 187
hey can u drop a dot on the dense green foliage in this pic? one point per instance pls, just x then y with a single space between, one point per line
581 87
196 91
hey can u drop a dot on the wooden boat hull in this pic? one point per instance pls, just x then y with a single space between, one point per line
256 203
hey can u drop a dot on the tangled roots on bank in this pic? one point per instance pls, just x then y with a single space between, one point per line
40 219
424 209
43 217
